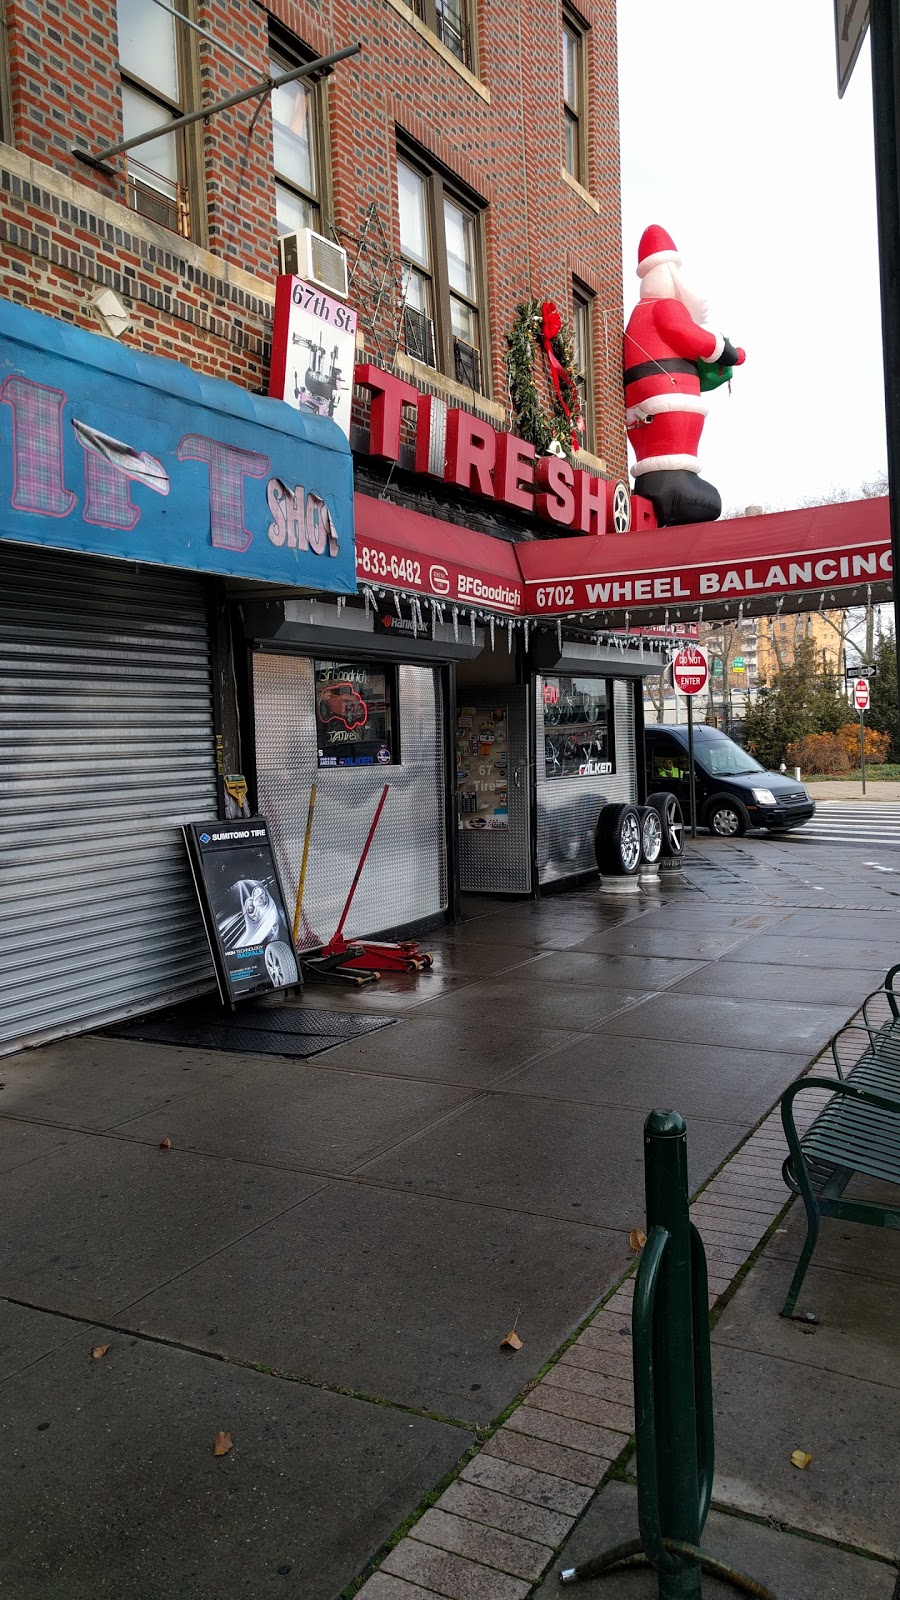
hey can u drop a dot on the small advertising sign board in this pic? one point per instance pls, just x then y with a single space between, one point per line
313 351
243 907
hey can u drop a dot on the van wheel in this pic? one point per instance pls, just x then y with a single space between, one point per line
672 822
617 841
726 818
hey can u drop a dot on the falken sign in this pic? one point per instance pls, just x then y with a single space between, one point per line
107 450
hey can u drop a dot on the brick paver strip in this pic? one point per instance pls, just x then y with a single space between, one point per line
543 1455
505 1552
470 1500
590 1358
451 1575
531 1487
599 1384
584 1436
583 1408
382 1586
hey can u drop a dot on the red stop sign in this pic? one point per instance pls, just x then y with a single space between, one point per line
861 694
690 669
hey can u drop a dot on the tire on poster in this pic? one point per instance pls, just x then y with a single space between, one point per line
617 840
281 964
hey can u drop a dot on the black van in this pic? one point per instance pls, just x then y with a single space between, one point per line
734 792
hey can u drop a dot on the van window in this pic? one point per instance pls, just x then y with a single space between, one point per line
720 756
668 760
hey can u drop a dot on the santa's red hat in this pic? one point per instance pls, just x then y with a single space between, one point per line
655 249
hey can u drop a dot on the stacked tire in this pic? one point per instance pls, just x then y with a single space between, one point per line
671 822
627 835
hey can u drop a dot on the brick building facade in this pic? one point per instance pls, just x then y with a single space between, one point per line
483 114
197 580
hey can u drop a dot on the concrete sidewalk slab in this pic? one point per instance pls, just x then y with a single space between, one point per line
795 1568
545 1157
446 1049
614 972
22 1143
873 954
872 1253
93 1226
773 984
707 1081
27 1336
517 999
94 1082
849 1426
690 944
111 1487
856 1331
300 1116
395 1295
703 1019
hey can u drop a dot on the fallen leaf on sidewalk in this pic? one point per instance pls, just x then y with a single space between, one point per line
222 1443
99 1351
165 1144
800 1458
511 1341
637 1239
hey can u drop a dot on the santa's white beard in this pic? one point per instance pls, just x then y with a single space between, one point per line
665 282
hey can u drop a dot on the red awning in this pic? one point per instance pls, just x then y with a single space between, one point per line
829 550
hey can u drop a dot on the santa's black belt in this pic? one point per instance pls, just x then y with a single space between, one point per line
649 369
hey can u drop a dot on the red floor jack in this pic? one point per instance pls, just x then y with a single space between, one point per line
367 955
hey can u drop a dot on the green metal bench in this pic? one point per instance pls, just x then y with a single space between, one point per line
856 1133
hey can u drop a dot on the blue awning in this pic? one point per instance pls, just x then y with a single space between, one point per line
133 456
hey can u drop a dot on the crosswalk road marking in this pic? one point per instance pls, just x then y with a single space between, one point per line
860 822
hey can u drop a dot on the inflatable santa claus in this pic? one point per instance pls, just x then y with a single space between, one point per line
671 360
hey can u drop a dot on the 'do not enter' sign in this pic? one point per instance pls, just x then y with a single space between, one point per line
690 669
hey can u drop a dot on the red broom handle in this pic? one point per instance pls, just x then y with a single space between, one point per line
362 862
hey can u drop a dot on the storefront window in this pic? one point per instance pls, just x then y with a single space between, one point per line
481 767
355 715
577 727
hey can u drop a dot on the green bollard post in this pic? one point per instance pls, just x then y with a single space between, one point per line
677 1513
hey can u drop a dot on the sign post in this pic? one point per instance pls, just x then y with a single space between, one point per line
885 25
861 702
690 674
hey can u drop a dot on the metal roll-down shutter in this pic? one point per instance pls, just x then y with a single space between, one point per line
106 746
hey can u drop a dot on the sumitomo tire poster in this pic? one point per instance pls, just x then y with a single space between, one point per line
243 906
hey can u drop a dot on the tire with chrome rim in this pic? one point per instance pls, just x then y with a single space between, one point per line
617 840
671 822
651 835
726 818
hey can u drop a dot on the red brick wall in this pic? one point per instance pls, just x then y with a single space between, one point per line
61 244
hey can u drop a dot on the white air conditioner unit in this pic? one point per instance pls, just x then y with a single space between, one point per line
315 259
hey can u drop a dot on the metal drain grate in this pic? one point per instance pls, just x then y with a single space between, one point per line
292 1032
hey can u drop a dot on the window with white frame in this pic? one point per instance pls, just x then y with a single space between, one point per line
157 65
298 145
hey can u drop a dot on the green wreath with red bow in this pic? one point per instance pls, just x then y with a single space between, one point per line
539 332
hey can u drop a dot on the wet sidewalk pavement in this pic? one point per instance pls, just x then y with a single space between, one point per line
324 1259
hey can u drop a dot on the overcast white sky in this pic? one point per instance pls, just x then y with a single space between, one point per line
733 138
